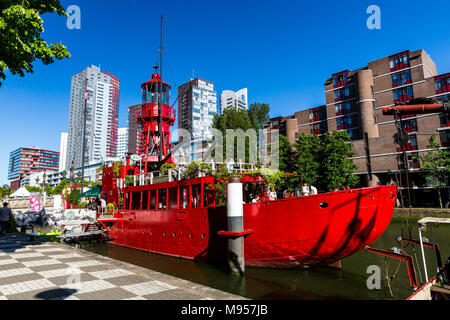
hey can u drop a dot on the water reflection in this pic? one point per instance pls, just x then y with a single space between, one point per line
273 284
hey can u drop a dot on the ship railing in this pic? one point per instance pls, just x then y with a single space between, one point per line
169 175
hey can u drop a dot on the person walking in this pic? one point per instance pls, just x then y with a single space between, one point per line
4 218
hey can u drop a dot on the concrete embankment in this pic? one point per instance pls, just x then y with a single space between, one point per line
422 212
46 270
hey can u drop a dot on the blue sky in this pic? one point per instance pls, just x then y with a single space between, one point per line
282 51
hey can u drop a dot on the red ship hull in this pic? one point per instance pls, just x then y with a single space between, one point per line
295 232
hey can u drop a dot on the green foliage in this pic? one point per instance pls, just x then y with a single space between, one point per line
166 167
48 190
324 163
273 177
33 189
286 155
83 204
21 27
100 169
110 207
258 114
336 167
307 158
117 169
435 166
221 179
4 191
195 168
57 190
71 194
232 119
129 180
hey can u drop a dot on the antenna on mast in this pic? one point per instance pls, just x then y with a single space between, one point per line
161 134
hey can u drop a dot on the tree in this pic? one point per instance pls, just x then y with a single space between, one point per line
33 189
71 195
436 166
232 119
4 191
286 155
57 190
21 44
48 190
337 169
307 158
258 114
325 162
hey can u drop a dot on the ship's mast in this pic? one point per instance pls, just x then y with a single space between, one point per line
155 118
161 134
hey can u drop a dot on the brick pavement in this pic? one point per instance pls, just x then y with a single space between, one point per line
40 270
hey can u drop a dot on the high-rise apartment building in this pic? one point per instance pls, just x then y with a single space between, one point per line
122 142
101 120
237 100
354 102
134 129
26 161
63 152
197 105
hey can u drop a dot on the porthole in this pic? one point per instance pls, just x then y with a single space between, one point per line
190 235
203 235
164 234
174 234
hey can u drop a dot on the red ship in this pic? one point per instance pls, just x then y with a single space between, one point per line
181 218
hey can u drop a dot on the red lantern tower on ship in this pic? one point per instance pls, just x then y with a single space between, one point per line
155 117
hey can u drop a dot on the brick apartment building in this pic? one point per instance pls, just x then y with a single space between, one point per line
354 102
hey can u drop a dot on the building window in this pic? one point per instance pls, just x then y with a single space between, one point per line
403 94
184 197
346 122
341 94
162 199
445 138
442 83
411 146
145 200
399 61
354 133
409 125
445 120
340 80
401 78
135 200
344 108
413 161
318 128
317 114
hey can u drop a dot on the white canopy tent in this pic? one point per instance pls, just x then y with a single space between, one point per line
21 193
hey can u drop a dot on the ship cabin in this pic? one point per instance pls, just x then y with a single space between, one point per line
184 194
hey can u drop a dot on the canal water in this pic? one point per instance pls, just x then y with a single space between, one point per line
317 284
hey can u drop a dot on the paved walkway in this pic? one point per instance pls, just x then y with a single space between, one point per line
44 270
